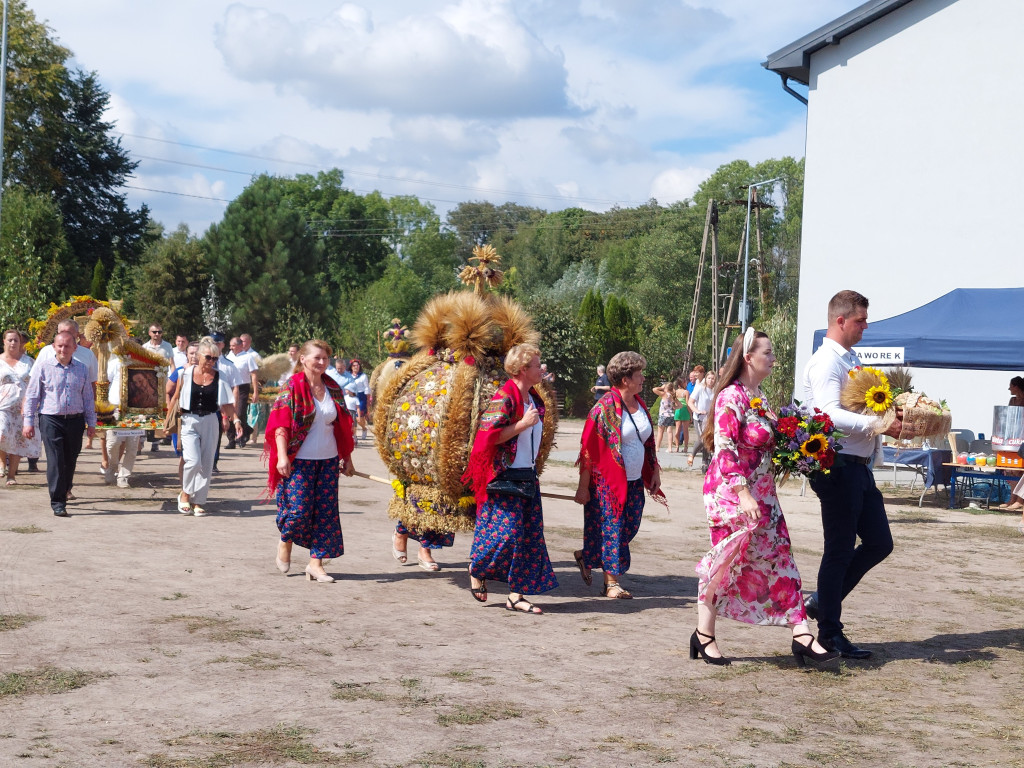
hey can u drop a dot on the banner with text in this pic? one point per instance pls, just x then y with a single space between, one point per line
880 356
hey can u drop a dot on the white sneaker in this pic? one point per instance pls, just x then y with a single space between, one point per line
122 482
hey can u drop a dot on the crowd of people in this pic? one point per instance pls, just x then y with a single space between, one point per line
749 574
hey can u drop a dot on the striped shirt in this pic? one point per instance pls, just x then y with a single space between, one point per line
59 390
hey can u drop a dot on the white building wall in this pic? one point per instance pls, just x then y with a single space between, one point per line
915 159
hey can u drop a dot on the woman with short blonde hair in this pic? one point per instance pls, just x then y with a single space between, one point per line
519 357
508 542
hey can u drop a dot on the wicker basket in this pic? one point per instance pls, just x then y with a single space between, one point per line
922 417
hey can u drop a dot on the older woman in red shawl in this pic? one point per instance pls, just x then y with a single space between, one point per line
508 543
617 461
309 442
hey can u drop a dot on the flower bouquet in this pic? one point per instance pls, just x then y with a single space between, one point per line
806 442
867 391
139 421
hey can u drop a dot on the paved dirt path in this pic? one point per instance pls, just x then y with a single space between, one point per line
165 640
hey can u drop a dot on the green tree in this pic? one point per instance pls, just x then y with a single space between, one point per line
483 223
170 283
595 332
56 143
264 259
565 350
619 321
417 237
33 249
98 286
351 227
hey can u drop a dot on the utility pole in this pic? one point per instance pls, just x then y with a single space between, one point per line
744 306
3 100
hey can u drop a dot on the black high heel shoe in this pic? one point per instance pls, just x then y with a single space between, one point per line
696 646
803 652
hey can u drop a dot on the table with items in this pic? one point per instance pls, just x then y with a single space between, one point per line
972 482
932 465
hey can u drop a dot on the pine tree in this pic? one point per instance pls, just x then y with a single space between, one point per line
98 287
264 259
591 316
621 331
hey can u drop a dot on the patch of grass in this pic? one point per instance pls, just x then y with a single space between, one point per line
257 660
46 680
356 691
475 715
220 630
175 596
28 529
462 675
280 745
12 621
448 759
757 736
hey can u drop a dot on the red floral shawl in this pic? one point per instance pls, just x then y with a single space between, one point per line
489 458
294 410
600 452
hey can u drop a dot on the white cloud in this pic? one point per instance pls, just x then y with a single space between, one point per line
474 59
676 184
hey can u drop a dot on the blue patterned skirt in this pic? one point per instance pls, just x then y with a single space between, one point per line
605 537
508 545
307 507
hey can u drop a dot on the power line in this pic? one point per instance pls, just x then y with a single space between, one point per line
370 174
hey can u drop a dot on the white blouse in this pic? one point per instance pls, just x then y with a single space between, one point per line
633 443
526 454
320 443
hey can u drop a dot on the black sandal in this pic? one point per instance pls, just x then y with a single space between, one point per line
479 593
585 573
530 607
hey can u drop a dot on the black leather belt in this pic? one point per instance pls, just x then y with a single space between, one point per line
65 416
864 460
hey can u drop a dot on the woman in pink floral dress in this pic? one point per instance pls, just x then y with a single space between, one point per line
749 575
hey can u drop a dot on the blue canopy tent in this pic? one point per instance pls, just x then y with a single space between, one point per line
974 328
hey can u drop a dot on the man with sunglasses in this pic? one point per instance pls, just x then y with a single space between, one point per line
157 344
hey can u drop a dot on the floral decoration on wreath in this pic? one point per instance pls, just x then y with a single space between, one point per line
806 442
43 331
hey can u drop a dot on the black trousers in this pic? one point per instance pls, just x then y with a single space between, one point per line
244 393
62 439
851 507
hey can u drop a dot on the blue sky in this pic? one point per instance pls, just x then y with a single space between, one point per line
551 103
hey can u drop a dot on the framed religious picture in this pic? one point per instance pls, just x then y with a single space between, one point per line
142 389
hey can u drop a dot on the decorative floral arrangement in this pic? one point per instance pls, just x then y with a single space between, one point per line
806 441
396 339
42 331
867 390
139 421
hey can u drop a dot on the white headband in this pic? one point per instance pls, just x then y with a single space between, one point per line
748 339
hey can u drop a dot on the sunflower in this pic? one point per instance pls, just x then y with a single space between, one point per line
399 488
814 445
756 403
878 398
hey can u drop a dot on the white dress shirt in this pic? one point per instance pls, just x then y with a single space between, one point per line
826 372
635 432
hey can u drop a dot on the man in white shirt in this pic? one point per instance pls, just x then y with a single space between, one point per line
82 354
851 505
247 363
157 344
232 377
180 351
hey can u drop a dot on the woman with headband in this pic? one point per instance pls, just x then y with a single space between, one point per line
749 575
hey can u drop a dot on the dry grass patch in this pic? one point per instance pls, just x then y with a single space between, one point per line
257 660
357 691
219 630
12 621
280 745
475 715
46 680
28 529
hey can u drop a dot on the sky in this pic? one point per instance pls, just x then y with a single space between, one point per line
546 103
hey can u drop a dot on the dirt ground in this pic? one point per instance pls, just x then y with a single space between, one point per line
134 636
